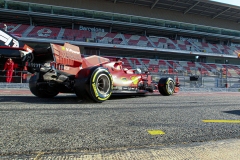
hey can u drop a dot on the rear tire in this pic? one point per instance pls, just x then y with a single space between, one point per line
97 87
46 92
166 86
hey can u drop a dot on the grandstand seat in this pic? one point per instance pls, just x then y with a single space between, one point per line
159 41
199 46
203 71
133 42
163 40
235 68
174 64
77 35
218 68
205 66
174 67
145 61
83 35
207 47
212 65
68 34
206 69
170 46
235 50
126 64
185 67
109 38
135 61
182 47
162 63
15 29
44 32
136 40
112 59
153 68
191 64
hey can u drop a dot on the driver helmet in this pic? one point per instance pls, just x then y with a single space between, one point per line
138 70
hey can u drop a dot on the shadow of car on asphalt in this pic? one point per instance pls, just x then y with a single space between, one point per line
60 99
236 112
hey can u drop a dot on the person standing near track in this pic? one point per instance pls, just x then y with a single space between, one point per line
9 67
5 27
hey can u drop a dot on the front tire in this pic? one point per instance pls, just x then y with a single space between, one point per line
41 92
166 86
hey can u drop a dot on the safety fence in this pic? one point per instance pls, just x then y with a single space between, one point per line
194 81
17 76
209 82
198 81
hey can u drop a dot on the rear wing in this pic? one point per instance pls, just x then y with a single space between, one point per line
67 55
10 45
67 58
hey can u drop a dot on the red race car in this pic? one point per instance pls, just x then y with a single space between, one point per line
62 69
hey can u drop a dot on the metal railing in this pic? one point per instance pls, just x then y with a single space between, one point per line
203 84
17 76
202 81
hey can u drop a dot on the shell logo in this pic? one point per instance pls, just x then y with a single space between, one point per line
134 79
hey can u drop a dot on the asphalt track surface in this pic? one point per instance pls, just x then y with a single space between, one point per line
34 128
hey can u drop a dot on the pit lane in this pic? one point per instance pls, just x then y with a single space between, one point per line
30 125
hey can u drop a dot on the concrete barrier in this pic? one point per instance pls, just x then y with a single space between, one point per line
186 89
14 85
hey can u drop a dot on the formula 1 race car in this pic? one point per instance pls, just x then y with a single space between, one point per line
62 69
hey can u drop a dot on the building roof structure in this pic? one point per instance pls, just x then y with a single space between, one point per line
199 7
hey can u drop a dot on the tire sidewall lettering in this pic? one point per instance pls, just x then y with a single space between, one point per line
168 88
95 90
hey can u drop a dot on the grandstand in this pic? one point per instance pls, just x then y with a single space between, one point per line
197 37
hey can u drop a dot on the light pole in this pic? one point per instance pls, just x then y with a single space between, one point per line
196 58
226 62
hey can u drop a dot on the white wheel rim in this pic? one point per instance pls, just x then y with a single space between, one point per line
103 84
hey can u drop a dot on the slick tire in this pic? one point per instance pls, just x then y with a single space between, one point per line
46 92
97 87
166 86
